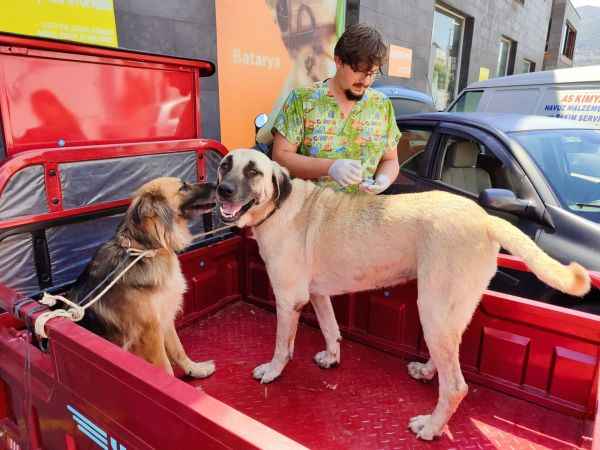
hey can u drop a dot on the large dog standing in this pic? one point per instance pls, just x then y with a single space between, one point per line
317 243
138 313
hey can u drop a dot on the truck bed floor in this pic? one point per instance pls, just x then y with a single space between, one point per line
365 403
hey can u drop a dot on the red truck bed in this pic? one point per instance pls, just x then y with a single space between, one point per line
532 370
365 403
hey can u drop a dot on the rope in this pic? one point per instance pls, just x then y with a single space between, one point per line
207 233
76 312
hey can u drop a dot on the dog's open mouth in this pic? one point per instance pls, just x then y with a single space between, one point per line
231 212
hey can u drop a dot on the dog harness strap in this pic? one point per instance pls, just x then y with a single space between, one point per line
75 311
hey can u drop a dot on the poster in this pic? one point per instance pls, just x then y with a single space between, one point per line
265 48
87 21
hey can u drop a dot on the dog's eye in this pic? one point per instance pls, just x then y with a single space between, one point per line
252 172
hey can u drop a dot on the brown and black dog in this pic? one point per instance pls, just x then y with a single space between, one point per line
138 312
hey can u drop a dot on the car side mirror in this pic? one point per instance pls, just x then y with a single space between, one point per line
504 200
261 120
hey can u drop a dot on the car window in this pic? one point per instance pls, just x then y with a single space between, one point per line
411 150
570 161
472 167
467 102
404 106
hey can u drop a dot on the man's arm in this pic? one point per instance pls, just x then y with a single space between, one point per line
386 173
300 166
388 165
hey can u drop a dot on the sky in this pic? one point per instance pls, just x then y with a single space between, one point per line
579 3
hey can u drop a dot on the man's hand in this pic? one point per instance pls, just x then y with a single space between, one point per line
346 172
382 182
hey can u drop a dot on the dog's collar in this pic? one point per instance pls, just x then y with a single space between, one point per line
126 244
264 219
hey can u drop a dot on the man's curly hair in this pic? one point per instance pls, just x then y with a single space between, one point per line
361 47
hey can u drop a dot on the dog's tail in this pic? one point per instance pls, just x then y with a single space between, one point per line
572 279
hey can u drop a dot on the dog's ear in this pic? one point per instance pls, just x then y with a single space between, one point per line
152 213
282 184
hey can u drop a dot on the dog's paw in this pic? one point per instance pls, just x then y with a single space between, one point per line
266 372
423 427
326 359
420 371
201 369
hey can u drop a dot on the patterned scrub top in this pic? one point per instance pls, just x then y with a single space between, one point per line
312 119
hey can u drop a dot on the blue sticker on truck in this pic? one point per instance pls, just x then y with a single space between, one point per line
94 432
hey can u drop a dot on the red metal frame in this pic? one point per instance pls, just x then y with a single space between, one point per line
51 158
206 67
513 262
47 109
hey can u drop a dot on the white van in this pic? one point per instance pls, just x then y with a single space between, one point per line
568 93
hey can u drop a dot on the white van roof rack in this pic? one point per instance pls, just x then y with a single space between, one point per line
570 75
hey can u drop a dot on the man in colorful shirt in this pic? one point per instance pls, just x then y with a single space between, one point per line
341 133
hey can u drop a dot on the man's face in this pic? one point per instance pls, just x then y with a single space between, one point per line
355 82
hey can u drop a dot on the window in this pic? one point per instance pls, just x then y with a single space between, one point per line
471 167
468 102
446 46
569 41
548 35
503 57
522 100
527 66
570 162
404 106
411 150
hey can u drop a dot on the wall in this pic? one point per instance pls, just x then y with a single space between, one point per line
409 23
184 28
562 10
187 28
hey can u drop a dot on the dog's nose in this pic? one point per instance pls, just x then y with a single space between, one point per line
225 190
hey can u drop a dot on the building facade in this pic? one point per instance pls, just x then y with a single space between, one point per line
438 47
460 41
562 35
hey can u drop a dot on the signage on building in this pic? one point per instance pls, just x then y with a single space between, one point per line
400 62
88 21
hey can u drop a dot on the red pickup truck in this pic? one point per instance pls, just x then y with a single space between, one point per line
82 128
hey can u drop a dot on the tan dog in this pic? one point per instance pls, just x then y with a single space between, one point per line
317 243
138 313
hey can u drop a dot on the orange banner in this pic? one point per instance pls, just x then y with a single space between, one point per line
265 48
